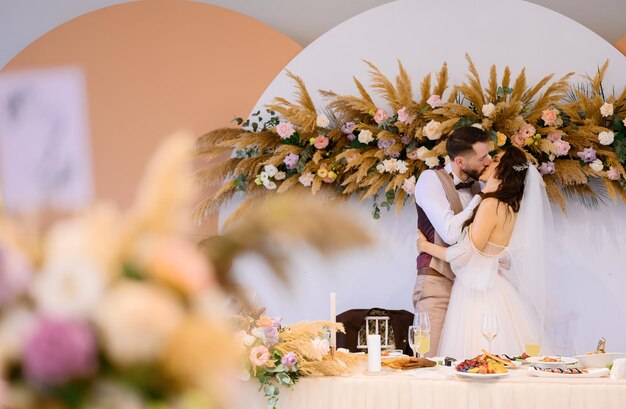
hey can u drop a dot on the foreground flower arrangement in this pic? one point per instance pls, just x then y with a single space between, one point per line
108 310
576 135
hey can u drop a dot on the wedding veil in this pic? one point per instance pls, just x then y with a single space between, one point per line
529 249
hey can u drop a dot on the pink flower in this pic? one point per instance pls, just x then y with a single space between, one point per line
549 116
521 136
289 359
434 101
285 130
58 351
547 168
405 117
562 147
554 136
413 155
613 173
259 355
321 142
380 116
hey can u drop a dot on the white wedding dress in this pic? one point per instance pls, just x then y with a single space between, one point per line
481 287
509 282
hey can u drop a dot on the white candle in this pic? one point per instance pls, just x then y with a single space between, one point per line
373 353
333 319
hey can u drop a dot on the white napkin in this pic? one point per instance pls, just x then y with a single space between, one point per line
619 369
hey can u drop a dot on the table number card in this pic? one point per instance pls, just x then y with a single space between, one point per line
44 143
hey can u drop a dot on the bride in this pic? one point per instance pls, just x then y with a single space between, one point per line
499 262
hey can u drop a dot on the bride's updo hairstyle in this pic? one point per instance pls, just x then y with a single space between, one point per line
511 171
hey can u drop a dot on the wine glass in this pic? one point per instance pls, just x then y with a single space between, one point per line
490 328
421 322
414 339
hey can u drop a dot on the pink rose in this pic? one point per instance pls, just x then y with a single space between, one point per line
321 142
549 116
554 136
259 355
404 117
380 116
613 174
521 136
285 130
434 101
562 147
413 155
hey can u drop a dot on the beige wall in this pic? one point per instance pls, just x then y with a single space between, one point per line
156 66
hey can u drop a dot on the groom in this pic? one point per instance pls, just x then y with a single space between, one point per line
445 199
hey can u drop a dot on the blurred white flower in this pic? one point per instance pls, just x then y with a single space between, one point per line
322 121
596 165
69 289
280 176
606 138
271 170
306 179
432 161
380 168
606 109
366 136
135 320
432 130
488 109
322 345
15 327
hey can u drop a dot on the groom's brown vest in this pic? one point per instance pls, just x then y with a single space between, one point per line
426 227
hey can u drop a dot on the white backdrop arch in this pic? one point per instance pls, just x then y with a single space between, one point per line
423 34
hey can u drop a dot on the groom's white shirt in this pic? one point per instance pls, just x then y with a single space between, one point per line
431 197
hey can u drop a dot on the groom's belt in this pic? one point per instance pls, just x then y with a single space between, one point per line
429 271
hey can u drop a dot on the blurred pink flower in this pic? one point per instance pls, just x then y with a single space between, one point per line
285 130
58 351
613 173
549 116
434 101
321 142
259 355
380 116
562 147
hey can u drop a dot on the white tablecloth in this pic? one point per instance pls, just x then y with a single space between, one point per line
439 388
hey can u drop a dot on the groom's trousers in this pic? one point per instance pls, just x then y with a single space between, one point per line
431 294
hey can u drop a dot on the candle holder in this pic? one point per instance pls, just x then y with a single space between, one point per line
377 325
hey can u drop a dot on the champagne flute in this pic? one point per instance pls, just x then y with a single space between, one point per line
414 339
422 322
490 328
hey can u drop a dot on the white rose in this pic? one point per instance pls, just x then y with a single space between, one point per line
380 168
264 177
322 345
488 109
270 185
322 121
479 126
259 333
432 161
446 160
271 170
432 130
306 179
390 165
248 340
606 109
606 138
280 176
596 165
409 185
365 136
402 168
422 152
